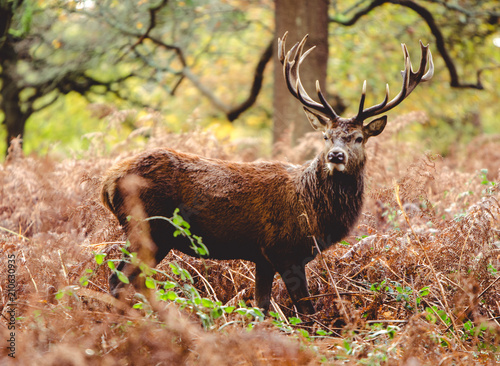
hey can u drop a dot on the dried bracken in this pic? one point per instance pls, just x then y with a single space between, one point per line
419 281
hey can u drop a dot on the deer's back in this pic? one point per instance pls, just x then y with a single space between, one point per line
239 209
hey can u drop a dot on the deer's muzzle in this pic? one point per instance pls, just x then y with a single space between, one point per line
336 160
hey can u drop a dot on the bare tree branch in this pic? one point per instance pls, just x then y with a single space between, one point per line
434 28
232 113
256 85
152 24
71 81
179 52
359 14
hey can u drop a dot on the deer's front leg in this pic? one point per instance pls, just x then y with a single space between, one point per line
295 280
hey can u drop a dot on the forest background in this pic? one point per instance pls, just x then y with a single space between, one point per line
182 65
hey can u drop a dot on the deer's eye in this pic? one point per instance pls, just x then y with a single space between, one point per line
359 140
325 137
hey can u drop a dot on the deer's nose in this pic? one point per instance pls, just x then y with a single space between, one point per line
336 157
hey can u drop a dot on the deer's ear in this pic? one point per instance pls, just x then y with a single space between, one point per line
318 122
375 127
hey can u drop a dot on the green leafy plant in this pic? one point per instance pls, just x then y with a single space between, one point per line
401 293
492 270
489 185
176 285
182 228
292 326
392 214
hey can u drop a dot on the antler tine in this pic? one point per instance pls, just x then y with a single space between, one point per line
410 81
362 100
291 63
325 103
299 88
428 75
291 68
281 47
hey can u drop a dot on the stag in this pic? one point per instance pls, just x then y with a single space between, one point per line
274 214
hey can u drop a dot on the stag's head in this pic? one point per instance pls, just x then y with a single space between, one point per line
345 138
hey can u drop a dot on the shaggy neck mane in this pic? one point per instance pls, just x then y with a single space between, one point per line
332 201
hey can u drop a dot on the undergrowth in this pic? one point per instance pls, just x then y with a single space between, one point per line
418 277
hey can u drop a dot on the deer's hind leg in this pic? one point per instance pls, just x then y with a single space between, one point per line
141 243
147 237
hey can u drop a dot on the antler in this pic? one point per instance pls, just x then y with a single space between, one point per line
410 81
291 62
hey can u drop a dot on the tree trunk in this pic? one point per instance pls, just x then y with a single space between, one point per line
299 18
14 117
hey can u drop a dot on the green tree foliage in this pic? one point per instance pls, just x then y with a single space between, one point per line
126 53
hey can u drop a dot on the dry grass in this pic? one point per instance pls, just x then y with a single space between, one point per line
412 289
